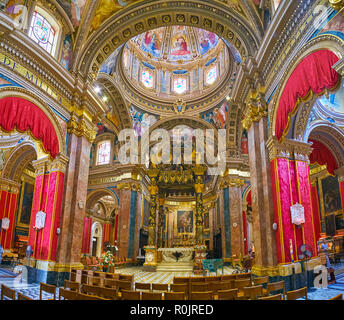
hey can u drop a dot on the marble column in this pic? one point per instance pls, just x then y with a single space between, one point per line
81 135
255 123
9 194
124 219
235 210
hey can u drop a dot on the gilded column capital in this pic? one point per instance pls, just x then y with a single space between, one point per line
337 5
9 186
153 190
257 109
230 181
41 166
82 127
129 186
290 149
58 164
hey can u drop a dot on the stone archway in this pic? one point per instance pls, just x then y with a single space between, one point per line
129 22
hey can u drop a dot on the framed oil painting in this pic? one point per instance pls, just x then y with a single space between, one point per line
331 195
25 206
185 221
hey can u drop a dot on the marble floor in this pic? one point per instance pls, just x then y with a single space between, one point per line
8 278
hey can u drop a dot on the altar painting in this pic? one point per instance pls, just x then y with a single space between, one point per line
185 221
330 195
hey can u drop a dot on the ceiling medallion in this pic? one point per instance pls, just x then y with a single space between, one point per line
179 106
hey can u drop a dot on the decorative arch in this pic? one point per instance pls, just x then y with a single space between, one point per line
31 115
120 108
331 137
95 195
322 43
96 226
17 161
133 20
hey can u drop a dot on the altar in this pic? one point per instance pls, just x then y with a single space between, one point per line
175 259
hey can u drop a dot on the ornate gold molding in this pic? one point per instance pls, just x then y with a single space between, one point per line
257 109
134 186
9 186
58 164
229 181
290 149
82 128
336 4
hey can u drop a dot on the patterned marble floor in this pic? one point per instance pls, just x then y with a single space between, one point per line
32 290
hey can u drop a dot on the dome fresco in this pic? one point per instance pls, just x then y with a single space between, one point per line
176 44
177 60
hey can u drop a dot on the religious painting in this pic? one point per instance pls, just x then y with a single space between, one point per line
14 8
335 25
330 225
67 52
218 116
331 195
146 213
141 120
206 220
110 63
180 44
244 142
151 42
74 9
185 221
334 102
25 207
116 146
207 40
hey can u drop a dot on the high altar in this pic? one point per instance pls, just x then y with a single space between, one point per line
185 248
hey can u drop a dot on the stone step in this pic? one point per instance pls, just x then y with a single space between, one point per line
174 267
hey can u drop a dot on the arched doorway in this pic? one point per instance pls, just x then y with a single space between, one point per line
96 239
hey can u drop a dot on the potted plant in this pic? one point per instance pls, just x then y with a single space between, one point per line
106 260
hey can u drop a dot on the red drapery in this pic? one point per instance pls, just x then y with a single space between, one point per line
322 155
313 74
23 115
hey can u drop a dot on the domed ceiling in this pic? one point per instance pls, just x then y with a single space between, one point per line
176 44
177 60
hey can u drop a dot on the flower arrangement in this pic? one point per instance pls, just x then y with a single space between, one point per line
106 260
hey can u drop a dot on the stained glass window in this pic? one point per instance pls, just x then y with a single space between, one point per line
147 79
179 85
211 76
42 32
104 150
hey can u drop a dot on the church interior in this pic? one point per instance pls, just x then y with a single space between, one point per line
172 150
